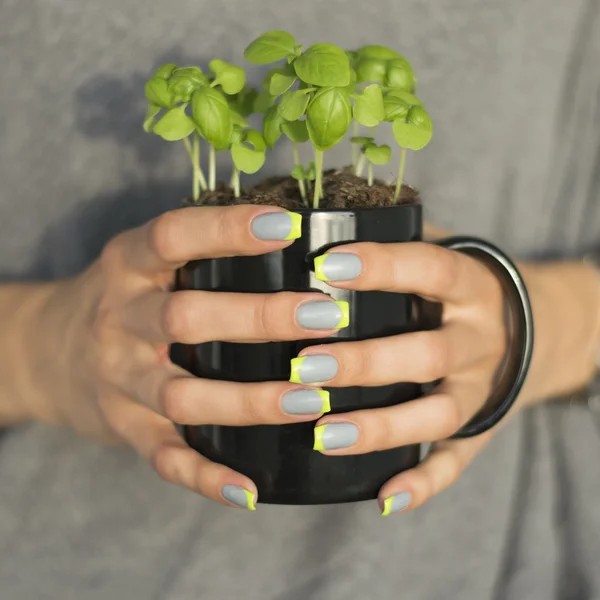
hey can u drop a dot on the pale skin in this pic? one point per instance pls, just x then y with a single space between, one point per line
91 353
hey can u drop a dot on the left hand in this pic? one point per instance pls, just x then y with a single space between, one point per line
465 352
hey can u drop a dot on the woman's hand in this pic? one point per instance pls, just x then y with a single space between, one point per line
466 352
108 331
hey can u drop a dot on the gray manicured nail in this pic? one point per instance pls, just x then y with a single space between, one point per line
337 266
396 503
334 436
277 226
314 368
239 496
306 402
322 315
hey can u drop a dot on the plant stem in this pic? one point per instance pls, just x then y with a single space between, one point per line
235 182
212 169
360 166
198 181
354 147
400 175
297 164
200 173
319 176
370 174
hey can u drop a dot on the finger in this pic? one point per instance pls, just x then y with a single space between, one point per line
418 357
193 317
428 419
173 393
442 468
419 268
172 239
156 439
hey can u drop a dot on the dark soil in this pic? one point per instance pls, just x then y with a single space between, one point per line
341 189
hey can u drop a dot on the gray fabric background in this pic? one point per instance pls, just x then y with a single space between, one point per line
513 87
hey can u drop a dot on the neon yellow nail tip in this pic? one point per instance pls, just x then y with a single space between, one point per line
319 274
296 363
250 499
387 506
318 445
296 230
345 320
326 402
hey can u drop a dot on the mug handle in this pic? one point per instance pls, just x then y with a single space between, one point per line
514 370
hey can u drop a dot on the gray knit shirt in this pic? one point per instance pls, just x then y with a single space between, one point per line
513 87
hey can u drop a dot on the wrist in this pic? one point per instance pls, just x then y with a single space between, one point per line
565 299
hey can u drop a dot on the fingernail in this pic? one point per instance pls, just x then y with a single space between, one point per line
395 503
337 266
306 402
334 436
323 315
313 369
280 226
239 496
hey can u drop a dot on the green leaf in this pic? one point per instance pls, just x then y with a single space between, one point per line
174 125
400 75
311 173
296 131
249 156
379 52
230 77
298 173
324 65
370 70
212 116
397 103
164 71
361 139
271 126
244 101
281 80
151 113
351 87
415 131
237 119
293 104
237 135
157 92
352 57
328 117
263 101
378 155
270 47
256 139
184 82
368 106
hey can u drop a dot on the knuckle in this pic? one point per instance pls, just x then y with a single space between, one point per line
163 462
358 365
176 316
452 469
436 355
163 235
441 266
228 226
265 321
450 417
254 408
111 257
108 362
171 402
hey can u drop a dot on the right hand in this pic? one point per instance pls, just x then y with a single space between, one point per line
113 379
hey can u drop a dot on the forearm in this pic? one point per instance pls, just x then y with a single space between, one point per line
23 331
566 304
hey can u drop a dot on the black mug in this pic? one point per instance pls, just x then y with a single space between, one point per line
280 458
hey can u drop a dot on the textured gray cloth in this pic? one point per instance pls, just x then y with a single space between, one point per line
514 90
